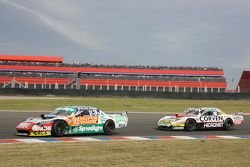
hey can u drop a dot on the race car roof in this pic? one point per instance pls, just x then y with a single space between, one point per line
204 109
74 108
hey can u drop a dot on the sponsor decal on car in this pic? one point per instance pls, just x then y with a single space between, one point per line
121 119
87 129
166 122
24 125
37 128
213 125
84 120
178 125
211 118
41 133
90 129
121 125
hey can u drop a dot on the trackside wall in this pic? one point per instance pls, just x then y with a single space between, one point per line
118 93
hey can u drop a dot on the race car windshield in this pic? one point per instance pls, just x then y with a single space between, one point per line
63 111
191 112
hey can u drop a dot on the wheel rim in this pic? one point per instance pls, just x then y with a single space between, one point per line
191 125
110 128
229 124
60 129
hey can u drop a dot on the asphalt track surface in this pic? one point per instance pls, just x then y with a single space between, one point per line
140 124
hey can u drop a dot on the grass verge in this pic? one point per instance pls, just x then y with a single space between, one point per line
135 153
123 104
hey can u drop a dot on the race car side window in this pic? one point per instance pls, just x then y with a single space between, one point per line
208 113
83 113
219 113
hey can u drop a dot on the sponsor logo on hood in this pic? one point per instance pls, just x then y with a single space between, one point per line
24 125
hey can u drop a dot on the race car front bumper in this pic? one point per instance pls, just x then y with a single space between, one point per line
28 133
172 127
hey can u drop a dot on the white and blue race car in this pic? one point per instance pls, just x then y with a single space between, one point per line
200 118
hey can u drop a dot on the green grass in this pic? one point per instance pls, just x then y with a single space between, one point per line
200 153
123 104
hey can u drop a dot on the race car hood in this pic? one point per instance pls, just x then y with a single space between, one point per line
33 123
44 118
167 120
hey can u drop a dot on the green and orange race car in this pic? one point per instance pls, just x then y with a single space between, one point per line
71 120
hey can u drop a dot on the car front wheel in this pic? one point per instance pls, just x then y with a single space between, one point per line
59 128
190 125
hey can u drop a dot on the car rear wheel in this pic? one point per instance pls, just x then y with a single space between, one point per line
228 124
109 127
59 128
190 125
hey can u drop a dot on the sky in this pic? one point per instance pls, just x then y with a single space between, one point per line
203 33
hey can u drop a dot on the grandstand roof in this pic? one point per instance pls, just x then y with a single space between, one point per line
47 59
111 70
245 75
244 83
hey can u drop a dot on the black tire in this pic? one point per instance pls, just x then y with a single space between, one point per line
228 124
59 128
190 125
109 127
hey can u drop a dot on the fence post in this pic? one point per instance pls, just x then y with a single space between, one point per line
26 85
13 85
56 85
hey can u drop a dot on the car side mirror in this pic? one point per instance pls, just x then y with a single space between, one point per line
42 116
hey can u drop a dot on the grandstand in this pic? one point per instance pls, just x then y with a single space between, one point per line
38 72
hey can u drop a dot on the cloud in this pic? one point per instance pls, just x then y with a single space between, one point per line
68 30
63 8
